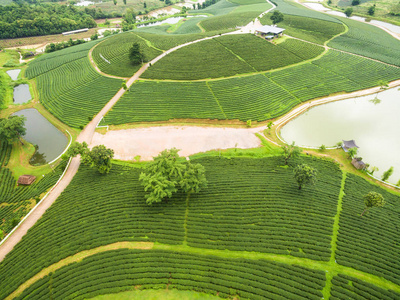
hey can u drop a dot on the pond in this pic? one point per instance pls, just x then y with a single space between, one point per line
372 121
13 73
39 131
22 94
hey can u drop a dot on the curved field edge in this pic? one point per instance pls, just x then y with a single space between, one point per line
244 98
334 269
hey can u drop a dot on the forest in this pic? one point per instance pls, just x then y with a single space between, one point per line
32 20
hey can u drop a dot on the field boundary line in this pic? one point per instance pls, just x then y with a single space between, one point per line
238 56
216 100
325 266
286 90
186 218
335 231
148 42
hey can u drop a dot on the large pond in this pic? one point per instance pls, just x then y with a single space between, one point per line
372 121
22 94
49 140
13 73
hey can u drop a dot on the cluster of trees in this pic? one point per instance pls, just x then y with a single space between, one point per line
167 174
303 173
29 20
12 128
276 17
58 46
99 157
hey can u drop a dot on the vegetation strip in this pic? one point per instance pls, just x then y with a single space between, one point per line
304 262
328 286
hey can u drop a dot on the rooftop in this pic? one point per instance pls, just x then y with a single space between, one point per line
270 29
26 179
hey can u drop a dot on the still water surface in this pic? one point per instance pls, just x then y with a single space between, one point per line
372 121
13 73
22 94
39 131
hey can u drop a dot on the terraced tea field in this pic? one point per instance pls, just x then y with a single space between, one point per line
228 56
225 241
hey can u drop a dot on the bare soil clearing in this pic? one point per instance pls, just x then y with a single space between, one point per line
150 141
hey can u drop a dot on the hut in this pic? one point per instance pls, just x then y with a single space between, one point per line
269 32
26 179
358 163
349 144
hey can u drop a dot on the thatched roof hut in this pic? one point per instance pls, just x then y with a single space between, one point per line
349 144
26 179
358 163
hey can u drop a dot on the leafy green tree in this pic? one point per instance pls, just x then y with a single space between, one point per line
99 157
322 147
290 151
276 17
355 2
371 10
348 12
115 2
304 174
12 128
94 37
1 234
383 84
136 55
352 152
270 124
373 199
124 2
387 174
75 149
193 179
166 174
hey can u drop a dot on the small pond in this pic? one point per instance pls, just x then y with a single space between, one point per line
39 131
372 121
13 73
22 94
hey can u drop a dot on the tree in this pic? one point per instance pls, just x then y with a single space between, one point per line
99 157
270 124
136 56
144 5
290 151
94 37
352 152
383 84
276 17
124 2
371 10
348 12
387 174
115 2
166 174
193 179
322 147
373 199
304 174
373 169
355 2
12 128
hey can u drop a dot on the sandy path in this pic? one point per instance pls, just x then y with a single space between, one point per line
150 141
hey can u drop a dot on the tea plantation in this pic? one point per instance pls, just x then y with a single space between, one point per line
250 233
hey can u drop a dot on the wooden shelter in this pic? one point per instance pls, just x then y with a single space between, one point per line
349 144
358 163
26 179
